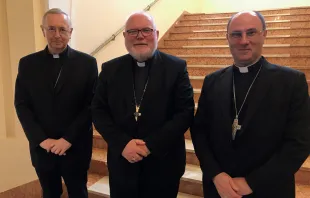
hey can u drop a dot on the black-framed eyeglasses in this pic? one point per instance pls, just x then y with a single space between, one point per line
144 31
249 33
62 30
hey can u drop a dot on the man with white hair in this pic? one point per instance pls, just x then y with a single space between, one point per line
53 94
142 107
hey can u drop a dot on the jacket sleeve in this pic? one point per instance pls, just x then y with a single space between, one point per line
200 136
84 115
23 106
160 142
296 142
102 117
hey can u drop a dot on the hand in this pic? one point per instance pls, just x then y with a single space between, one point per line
243 186
132 152
225 186
60 147
47 144
142 145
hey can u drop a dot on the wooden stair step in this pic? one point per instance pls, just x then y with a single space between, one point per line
224 49
198 72
220 26
222 33
267 18
98 162
226 59
265 13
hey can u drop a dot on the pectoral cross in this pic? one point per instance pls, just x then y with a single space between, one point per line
235 128
137 114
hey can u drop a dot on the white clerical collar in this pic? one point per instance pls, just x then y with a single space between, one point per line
141 64
245 69
55 55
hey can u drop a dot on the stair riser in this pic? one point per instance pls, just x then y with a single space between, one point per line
266 50
222 27
186 35
303 177
267 18
292 11
297 61
200 71
99 142
197 84
187 134
191 158
93 195
189 187
98 167
200 42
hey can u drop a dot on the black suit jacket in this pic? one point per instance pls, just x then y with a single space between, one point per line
167 111
60 112
274 139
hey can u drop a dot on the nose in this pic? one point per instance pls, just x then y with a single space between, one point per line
140 35
244 38
57 33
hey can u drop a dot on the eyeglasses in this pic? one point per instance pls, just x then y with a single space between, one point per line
62 30
135 32
249 34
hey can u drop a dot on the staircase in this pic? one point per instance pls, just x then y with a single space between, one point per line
200 40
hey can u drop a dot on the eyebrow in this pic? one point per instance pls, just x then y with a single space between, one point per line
250 29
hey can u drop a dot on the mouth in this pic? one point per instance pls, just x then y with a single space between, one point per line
140 44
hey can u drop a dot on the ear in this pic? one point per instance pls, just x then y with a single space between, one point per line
71 30
157 33
124 34
42 30
265 33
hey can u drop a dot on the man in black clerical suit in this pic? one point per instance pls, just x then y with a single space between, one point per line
54 89
251 130
142 107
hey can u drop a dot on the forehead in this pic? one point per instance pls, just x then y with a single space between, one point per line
56 20
138 21
244 22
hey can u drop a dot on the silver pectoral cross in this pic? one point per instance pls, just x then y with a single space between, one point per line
137 114
235 128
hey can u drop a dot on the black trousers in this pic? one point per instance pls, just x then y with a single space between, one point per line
146 179
51 183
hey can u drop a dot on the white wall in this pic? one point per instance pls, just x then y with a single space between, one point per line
18 20
16 168
215 6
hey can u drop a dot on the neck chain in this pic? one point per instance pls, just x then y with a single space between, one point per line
137 114
235 125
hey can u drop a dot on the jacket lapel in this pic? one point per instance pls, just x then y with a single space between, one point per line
258 92
155 75
224 96
65 71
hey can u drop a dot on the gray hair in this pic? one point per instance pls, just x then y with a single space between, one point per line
259 15
142 13
56 11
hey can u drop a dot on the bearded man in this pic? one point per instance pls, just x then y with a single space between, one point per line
142 107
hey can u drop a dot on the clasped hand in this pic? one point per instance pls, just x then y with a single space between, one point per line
135 151
58 147
228 187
